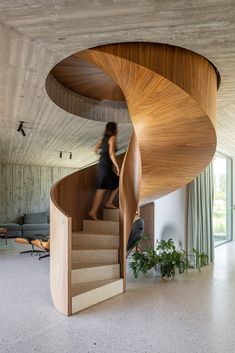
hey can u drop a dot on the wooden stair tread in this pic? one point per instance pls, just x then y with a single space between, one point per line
95 273
114 209
85 248
95 256
101 226
100 221
80 288
84 233
76 266
95 250
111 214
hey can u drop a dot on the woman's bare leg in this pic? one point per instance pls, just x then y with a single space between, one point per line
109 203
96 203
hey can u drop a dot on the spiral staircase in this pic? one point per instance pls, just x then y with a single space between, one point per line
171 97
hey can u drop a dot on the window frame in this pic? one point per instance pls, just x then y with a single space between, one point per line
229 198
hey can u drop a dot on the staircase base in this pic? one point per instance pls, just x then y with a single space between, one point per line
106 290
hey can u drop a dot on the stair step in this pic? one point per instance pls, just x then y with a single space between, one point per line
107 256
101 226
78 266
88 294
94 241
111 214
95 273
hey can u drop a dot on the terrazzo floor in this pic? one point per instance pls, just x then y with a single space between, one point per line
195 313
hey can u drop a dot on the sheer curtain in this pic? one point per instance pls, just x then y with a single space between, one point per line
200 213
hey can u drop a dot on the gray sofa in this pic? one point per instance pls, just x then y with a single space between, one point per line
33 223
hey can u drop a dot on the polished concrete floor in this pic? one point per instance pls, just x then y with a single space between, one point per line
195 313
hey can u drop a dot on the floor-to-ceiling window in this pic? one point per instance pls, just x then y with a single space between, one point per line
222 217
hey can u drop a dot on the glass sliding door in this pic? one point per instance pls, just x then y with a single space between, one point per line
222 217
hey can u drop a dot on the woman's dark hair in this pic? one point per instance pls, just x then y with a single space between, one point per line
110 129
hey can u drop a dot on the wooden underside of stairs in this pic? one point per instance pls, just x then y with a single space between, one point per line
95 273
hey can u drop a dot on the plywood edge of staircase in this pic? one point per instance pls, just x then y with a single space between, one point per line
107 289
100 234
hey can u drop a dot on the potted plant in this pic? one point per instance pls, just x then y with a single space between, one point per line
167 259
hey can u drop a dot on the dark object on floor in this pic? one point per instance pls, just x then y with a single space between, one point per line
137 232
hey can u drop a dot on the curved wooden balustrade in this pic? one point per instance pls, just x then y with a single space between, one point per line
70 202
130 180
171 98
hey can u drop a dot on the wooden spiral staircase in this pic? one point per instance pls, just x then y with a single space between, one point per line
171 98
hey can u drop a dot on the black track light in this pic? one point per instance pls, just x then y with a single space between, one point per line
20 126
70 155
60 154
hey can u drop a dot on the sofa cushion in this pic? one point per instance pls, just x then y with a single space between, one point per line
39 226
35 218
31 233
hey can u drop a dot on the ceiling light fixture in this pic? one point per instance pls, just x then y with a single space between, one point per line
20 128
70 154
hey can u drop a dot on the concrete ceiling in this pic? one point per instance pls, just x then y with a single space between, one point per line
35 35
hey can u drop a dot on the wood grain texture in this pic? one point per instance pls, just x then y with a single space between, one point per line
171 127
60 259
86 79
176 64
95 292
26 189
129 194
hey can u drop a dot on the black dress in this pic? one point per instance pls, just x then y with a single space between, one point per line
107 179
